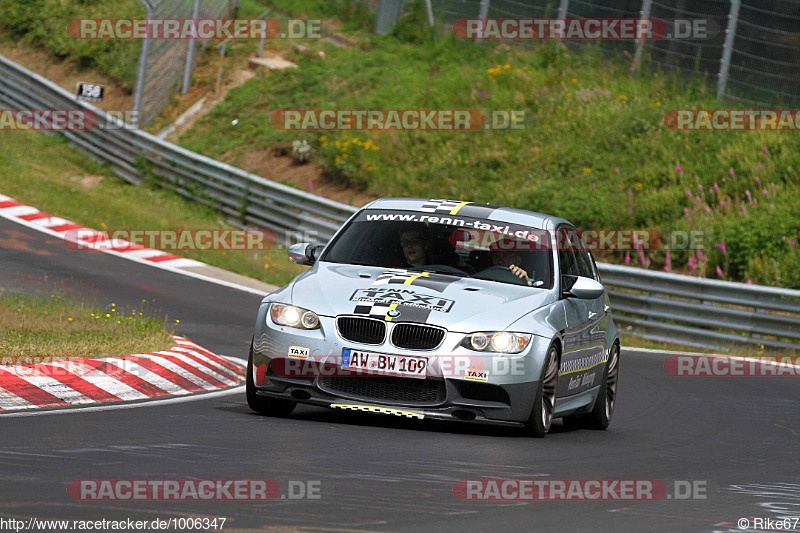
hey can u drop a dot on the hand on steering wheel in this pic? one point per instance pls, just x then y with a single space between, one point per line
520 273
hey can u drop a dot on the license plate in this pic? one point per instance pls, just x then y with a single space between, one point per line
385 364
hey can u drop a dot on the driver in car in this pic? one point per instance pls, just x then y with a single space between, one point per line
415 247
504 255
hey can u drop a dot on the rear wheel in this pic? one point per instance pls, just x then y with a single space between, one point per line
544 402
261 404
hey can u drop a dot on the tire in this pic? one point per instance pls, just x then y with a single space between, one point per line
602 412
544 401
260 404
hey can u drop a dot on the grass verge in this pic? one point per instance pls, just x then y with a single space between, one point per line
43 171
597 151
34 329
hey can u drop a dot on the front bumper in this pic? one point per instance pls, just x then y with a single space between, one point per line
502 394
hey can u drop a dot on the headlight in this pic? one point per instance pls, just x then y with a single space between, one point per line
496 341
294 317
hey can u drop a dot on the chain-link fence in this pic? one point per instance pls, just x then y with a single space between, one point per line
752 56
165 65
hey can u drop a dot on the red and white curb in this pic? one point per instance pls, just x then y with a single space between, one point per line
91 239
184 369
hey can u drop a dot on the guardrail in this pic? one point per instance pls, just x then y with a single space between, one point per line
702 312
136 156
655 305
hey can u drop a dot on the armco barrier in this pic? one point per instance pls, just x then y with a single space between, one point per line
655 305
703 312
137 156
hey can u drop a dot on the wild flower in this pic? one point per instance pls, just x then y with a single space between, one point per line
722 248
719 272
678 168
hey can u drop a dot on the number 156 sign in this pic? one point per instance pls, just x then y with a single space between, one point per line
90 92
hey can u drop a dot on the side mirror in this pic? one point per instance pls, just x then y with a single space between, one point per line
582 288
304 253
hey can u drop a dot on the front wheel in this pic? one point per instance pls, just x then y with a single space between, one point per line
260 404
603 409
544 403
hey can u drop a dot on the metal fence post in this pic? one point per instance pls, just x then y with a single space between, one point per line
637 55
562 12
187 69
429 9
727 48
483 14
141 70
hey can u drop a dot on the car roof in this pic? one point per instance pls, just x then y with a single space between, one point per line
508 215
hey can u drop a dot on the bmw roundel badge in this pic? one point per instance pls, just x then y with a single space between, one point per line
393 313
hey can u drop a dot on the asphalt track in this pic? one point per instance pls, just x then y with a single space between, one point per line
738 436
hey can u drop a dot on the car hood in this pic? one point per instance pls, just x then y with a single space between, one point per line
458 304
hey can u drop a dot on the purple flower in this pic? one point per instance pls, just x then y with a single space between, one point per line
700 256
630 194
667 262
627 258
773 186
698 199
710 190
688 193
765 192
730 171
699 187
692 263
772 206
686 211
678 168
616 171
723 179
764 149
758 180
759 166
747 193
716 187
719 272
742 209
309 185
784 238
721 246
708 210
791 241
749 281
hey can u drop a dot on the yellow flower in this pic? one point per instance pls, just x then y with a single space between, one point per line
338 160
118 322
506 66
266 267
587 170
70 319
622 97
344 156
177 321
108 315
638 186
573 80
323 138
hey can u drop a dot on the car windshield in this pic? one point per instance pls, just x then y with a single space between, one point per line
457 246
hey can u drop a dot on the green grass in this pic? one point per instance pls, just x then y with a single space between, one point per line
33 329
597 154
44 172
43 23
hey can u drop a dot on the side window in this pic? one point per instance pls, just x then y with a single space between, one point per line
585 263
566 257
